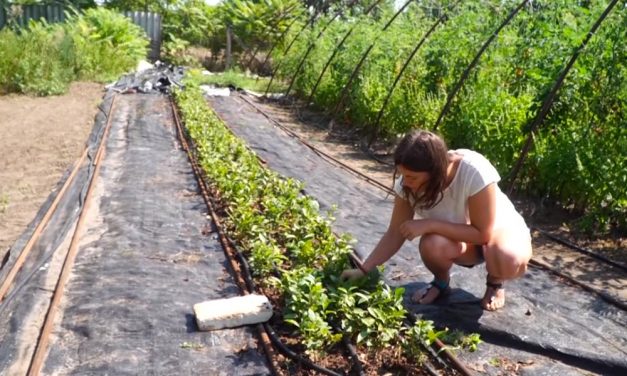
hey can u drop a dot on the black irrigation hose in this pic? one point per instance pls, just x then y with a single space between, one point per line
357 367
294 356
353 75
335 51
546 104
581 250
441 348
462 79
272 335
318 151
603 295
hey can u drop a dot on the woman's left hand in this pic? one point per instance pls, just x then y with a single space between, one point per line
413 228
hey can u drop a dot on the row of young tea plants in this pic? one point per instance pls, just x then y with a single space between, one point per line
578 160
293 252
42 59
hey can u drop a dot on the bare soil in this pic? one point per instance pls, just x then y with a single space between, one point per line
40 139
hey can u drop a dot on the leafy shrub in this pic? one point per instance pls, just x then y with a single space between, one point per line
291 245
577 158
106 44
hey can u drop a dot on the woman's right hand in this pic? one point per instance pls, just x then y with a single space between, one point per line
351 274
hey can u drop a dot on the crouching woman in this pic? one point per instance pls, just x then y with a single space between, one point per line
451 200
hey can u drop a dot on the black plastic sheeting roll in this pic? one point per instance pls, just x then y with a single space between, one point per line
546 327
148 253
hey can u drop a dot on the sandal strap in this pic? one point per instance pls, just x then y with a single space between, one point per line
439 284
494 285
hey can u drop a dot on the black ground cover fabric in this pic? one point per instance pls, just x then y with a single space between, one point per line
148 253
27 294
546 328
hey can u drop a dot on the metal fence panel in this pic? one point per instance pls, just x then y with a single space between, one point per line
23 14
151 23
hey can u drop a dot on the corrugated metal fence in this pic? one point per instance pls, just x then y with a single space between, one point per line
21 15
151 23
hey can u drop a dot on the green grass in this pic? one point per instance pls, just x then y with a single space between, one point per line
237 79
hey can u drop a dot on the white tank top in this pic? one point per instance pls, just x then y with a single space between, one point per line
474 173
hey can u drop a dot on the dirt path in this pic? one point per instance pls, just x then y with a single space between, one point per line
40 139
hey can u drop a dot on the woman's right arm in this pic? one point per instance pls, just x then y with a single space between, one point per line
392 240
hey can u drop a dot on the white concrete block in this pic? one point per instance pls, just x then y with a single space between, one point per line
232 312
215 91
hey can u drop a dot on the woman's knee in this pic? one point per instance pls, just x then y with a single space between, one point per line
437 246
508 263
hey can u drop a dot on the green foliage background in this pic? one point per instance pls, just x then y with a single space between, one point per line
578 160
43 59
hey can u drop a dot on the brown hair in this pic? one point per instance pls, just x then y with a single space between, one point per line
423 151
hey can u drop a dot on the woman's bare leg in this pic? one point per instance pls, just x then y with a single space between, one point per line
438 254
506 258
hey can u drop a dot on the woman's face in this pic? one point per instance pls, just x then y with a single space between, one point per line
413 180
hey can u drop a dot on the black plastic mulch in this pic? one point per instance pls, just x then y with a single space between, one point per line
546 328
148 253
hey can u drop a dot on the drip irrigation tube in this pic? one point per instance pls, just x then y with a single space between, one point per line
581 250
316 150
292 355
441 348
546 104
603 295
357 367
474 62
